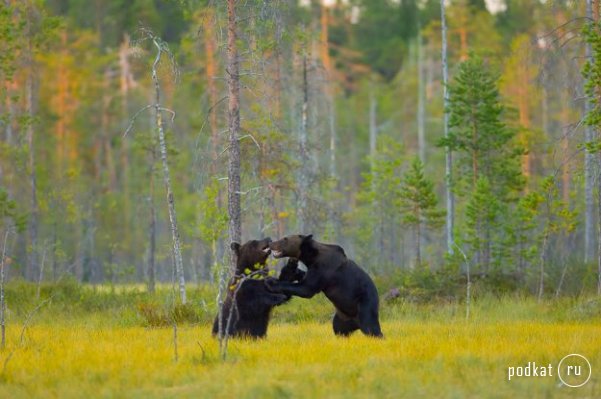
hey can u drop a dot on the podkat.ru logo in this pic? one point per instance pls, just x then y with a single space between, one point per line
573 370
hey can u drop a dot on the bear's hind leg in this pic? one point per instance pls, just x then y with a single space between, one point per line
344 326
368 320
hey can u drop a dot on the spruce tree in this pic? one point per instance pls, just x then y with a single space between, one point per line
487 167
483 142
419 205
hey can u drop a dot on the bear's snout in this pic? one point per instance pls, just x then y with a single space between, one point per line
276 249
265 244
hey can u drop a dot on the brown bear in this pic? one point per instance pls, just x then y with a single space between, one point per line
253 301
343 282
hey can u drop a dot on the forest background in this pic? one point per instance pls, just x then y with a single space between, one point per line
341 135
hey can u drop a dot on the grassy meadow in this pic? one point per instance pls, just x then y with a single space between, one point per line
101 345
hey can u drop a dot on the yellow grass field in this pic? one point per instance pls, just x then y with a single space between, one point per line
431 358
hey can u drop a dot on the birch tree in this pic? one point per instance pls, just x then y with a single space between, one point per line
450 220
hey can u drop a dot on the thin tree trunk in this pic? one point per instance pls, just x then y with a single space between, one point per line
541 281
589 250
177 254
599 230
152 232
33 218
303 185
233 82
448 154
41 276
2 299
421 101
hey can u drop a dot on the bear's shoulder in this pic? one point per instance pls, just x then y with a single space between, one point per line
334 248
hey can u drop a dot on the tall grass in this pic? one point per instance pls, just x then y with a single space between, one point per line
101 346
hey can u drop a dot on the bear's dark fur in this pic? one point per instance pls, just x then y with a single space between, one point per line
291 272
346 285
254 302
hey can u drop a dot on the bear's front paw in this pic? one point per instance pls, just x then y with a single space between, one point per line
272 284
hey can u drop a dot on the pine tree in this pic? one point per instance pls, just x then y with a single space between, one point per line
478 135
419 205
482 211
487 166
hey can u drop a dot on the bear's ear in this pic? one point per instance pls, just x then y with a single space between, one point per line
235 247
307 237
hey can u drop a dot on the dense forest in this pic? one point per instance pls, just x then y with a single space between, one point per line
117 137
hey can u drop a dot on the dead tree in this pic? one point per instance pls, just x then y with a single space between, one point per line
161 48
158 110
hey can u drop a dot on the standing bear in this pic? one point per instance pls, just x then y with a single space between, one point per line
343 282
253 301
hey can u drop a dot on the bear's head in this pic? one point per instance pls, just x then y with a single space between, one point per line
251 254
290 246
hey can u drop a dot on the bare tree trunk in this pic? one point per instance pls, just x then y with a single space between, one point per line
33 218
541 281
233 82
599 230
448 154
41 276
421 106
177 254
152 232
589 250
2 299
303 180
